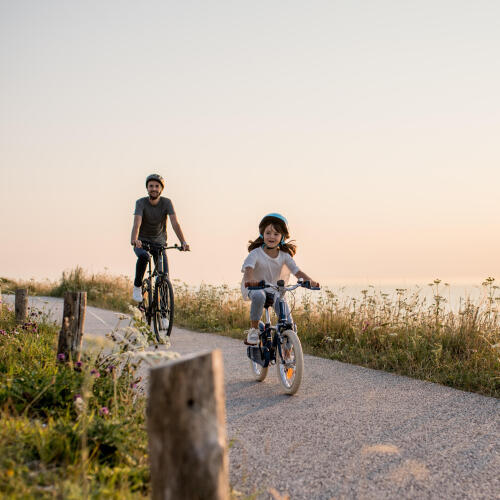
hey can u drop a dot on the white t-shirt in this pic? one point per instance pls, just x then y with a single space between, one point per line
267 268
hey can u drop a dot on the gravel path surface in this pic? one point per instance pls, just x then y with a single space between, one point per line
350 432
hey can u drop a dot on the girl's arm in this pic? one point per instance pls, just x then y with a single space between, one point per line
305 277
248 277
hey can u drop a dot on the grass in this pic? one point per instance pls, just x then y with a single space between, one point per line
103 290
70 430
400 332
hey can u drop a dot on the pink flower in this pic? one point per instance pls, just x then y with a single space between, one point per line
95 373
61 357
104 411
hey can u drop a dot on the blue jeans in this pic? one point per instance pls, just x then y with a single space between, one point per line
142 264
258 298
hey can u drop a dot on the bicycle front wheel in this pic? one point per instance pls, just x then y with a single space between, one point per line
163 313
290 367
147 300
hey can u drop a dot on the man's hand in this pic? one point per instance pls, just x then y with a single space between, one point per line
251 283
185 247
314 284
136 243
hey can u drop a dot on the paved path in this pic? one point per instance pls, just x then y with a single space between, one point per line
349 432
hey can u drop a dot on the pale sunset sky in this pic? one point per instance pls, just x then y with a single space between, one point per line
373 126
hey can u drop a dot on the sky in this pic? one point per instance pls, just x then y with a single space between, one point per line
372 126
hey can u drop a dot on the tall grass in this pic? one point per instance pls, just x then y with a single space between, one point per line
402 333
70 430
103 289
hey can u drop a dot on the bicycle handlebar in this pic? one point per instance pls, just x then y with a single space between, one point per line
149 245
304 284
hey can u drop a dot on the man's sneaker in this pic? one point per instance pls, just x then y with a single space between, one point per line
252 336
137 294
164 323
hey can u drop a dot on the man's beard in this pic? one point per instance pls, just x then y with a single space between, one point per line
154 196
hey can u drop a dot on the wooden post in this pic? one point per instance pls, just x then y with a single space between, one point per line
21 305
71 334
186 420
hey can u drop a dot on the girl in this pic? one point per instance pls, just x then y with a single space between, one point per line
269 259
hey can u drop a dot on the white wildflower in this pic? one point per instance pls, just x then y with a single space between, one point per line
79 405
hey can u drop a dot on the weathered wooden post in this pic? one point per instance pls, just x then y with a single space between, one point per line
21 304
186 418
71 334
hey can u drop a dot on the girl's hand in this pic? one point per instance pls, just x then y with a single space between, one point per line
314 283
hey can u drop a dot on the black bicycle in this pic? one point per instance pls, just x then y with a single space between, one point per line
279 344
157 291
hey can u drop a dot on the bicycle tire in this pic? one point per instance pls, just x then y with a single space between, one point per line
147 300
163 309
290 365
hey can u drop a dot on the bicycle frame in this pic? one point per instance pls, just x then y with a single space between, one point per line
266 353
160 269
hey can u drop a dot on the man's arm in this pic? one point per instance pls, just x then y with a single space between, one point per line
178 231
135 232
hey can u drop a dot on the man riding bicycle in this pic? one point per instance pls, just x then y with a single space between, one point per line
150 224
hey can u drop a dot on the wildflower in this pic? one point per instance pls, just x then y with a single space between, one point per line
110 368
78 366
135 383
3 332
95 373
104 411
61 357
10 473
79 404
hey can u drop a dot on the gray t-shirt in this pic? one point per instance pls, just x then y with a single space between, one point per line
154 219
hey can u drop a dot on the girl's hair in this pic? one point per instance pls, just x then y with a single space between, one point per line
288 247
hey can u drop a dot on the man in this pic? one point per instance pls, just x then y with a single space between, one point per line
150 224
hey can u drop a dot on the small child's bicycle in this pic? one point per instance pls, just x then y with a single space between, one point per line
279 344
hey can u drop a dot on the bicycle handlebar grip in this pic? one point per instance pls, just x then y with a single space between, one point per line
260 286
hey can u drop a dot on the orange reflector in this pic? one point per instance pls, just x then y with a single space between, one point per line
289 373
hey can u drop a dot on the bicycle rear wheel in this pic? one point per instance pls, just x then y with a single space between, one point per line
163 311
290 367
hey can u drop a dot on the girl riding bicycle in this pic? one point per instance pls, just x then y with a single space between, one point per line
270 259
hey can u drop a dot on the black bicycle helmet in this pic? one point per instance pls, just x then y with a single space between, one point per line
156 177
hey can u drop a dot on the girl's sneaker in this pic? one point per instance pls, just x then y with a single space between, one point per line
252 336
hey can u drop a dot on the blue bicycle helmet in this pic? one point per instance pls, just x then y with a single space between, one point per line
273 218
